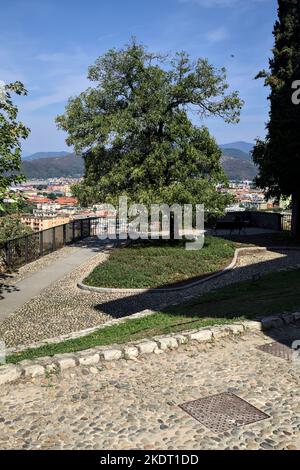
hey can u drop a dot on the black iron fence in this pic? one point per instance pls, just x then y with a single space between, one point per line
286 222
264 220
20 251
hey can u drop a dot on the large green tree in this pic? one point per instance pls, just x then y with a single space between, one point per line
278 157
11 133
134 130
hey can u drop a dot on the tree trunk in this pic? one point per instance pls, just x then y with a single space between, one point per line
296 215
172 227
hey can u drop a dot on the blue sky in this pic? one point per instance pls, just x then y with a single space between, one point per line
49 45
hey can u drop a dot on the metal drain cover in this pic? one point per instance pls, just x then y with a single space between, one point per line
222 412
278 350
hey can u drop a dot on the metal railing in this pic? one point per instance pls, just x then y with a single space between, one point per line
20 251
17 252
286 222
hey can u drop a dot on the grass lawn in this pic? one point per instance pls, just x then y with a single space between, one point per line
279 239
272 294
155 263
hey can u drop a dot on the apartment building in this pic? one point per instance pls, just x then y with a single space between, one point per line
66 201
42 221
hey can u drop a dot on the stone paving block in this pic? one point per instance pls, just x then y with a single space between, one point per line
130 352
203 335
143 313
111 354
158 351
52 368
89 358
166 342
66 363
220 332
236 329
44 361
252 325
181 339
32 370
9 373
146 347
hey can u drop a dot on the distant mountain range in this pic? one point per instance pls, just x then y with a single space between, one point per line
39 155
245 147
236 161
53 167
238 168
236 153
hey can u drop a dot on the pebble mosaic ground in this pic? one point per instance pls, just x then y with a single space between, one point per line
63 308
132 404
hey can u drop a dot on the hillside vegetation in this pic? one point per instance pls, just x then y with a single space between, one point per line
237 164
53 167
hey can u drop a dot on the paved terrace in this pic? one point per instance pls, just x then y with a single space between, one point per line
134 404
32 279
43 301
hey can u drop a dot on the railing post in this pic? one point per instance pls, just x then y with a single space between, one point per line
8 253
81 228
64 235
41 236
53 238
26 250
73 231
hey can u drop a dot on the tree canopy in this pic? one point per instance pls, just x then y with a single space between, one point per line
11 134
135 132
278 157
11 227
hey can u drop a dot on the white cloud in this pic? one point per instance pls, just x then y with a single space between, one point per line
69 86
52 57
216 35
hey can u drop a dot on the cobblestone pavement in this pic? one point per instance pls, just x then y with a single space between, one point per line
134 404
63 308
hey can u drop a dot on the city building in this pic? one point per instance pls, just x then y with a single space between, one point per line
247 196
42 221
48 207
66 201
35 200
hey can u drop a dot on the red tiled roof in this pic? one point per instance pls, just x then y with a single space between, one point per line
66 201
39 199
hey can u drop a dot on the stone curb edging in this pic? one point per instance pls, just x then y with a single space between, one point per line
78 334
156 345
160 290
116 321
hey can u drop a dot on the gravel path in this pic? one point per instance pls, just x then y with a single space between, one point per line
134 404
35 266
63 308
9 281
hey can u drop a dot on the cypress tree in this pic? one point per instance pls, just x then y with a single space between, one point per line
278 157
